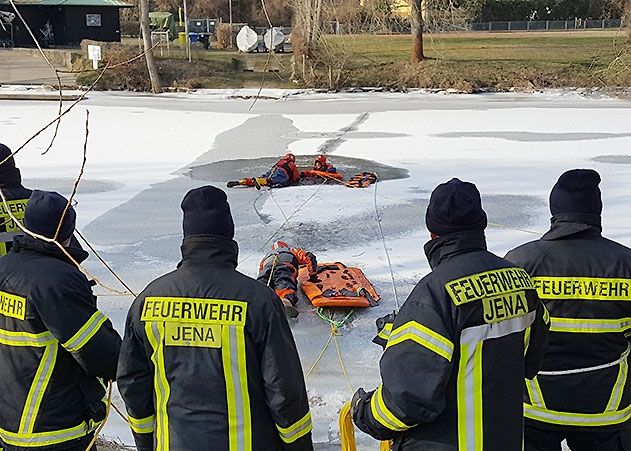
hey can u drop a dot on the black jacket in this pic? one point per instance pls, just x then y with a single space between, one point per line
54 344
585 282
460 347
209 362
17 197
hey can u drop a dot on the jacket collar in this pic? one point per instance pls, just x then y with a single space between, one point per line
23 243
571 224
10 177
209 250
448 246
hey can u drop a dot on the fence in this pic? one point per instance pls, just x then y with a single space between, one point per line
548 25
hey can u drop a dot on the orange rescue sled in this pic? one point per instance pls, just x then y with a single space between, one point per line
338 286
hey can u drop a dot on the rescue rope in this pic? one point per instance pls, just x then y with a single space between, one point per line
282 226
385 250
107 414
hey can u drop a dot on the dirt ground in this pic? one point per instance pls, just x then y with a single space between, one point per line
20 69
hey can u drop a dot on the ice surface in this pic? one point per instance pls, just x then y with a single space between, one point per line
145 152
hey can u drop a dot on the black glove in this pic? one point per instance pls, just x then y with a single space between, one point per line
381 338
357 398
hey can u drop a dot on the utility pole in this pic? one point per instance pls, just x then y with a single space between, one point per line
188 39
156 85
230 12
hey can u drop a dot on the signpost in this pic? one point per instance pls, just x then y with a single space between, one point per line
94 53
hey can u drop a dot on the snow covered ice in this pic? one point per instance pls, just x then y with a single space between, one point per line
145 152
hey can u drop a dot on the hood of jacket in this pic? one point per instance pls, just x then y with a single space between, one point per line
209 250
445 247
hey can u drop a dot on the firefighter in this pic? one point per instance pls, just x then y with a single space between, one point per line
582 393
279 270
455 360
320 164
208 359
16 196
56 348
283 173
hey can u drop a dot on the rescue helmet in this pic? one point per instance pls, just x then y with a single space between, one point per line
290 156
320 162
279 244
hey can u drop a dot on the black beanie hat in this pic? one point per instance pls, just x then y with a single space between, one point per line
43 213
577 192
9 174
207 212
454 207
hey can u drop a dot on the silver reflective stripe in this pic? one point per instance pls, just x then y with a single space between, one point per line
624 356
577 419
87 331
443 345
234 367
289 438
536 395
38 387
8 236
495 330
44 438
579 325
618 388
26 339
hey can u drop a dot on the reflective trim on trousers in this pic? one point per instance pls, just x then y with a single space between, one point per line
155 334
142 425
236 377
534 393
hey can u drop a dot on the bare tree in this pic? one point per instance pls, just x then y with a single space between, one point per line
417 23
156 85
306 35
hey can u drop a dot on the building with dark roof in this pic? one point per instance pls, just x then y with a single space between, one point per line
65 22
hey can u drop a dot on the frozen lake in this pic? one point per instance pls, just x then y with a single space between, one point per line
145 152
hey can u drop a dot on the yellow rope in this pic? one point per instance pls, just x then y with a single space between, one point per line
347 429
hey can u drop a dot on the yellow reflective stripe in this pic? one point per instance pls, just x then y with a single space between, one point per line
461 390
618 387
297 430
422 335
245 392
383 415
155 334
469 394
526 340
226 358
3 252
386 331
577 419
534 392
87 331
477 397
590 325
44 438
546 315
583 288
10 338
38 387
142 425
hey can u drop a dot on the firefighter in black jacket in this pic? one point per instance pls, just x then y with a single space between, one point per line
208 359
460 347
16 196
582 392
56 347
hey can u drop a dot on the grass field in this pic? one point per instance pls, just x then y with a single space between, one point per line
464 61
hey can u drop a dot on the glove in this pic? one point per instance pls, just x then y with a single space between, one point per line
359 395
381 338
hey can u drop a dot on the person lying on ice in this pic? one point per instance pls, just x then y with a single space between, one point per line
279 270
283 173
320 164
454 365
